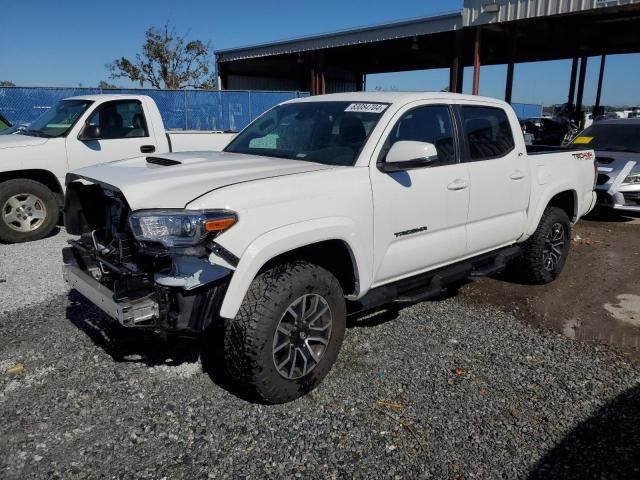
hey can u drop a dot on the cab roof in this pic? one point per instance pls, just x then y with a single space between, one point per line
396 97
107 96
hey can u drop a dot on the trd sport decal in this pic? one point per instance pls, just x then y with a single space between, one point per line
411 232
583 156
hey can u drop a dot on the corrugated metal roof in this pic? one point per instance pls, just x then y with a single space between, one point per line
407 28
480 12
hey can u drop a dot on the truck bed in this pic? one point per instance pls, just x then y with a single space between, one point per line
541 149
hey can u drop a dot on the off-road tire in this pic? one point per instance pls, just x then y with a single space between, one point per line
248 341
531 266
17 186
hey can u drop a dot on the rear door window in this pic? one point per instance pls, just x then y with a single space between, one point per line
487 131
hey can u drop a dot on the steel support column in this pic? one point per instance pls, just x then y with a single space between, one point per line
513 50
596 108
476 61
572 82
581 80
456 71
318 77
508 92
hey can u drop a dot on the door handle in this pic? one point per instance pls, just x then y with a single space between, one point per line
457 184
517 175
148 148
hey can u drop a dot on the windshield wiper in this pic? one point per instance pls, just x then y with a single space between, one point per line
35 133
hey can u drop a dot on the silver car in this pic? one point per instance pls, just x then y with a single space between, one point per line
617 147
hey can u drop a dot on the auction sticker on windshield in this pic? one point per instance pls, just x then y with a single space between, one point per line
367 107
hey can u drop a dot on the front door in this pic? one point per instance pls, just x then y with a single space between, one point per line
123 134
420 214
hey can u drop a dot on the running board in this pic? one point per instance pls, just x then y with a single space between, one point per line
431 284
498 264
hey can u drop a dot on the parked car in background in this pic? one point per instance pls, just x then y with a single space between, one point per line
617 147
74 133
4 124
322 206
547 131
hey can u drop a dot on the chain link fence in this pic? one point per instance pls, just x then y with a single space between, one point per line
180 109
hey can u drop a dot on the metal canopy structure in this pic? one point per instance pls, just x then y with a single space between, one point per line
486 32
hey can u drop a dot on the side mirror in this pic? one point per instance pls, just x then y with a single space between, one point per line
90 132
407 155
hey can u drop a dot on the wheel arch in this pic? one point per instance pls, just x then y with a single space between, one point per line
565 198
45 177
325 242
567 201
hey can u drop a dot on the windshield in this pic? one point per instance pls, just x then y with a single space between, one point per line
616 137
58 120
332 133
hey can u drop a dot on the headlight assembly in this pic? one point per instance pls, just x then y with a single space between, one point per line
180 228
633 178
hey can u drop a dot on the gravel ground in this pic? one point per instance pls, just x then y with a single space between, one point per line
446 390
30 272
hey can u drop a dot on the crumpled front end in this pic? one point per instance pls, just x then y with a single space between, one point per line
151 284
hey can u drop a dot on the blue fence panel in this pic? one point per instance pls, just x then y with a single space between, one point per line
527 110
24 105
261 103
180 109
171 104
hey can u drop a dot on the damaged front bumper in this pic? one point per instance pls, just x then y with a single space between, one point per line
127 313
165 300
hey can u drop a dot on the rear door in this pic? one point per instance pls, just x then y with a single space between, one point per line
124 134
499 176
419 214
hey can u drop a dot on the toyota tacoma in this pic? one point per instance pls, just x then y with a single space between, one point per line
321 208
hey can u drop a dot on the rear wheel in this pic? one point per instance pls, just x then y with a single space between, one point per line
288 332
29 210
546 251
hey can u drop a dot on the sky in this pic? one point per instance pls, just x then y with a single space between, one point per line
68 43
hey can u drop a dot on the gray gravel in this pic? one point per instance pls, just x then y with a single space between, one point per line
95 401
30 272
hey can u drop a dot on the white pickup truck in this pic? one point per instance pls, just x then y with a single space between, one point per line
322 207
75 133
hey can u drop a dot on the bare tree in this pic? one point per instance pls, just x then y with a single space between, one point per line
106 85
168 60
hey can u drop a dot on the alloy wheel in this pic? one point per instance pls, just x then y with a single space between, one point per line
554 246
302 336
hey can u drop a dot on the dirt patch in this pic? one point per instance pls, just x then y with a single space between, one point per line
597 297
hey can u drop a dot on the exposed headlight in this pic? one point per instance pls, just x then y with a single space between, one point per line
633 178
180 228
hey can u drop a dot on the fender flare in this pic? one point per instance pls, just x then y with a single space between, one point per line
285 239
543 202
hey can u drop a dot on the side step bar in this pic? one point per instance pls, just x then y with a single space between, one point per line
431 284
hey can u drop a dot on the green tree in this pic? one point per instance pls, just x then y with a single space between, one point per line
168 60
6 83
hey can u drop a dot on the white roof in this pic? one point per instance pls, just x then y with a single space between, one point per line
396 97
107 96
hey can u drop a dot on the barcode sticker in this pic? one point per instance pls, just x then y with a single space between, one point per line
366 107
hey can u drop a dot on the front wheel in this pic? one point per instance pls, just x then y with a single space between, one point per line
288 332
546 251
28 210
